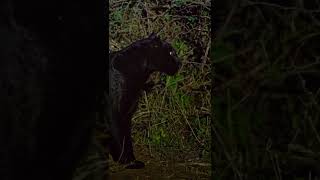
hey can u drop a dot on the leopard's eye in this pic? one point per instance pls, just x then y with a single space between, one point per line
171 53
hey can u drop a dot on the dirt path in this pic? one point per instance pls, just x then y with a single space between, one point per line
155 168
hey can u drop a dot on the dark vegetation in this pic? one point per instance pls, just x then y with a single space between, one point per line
266 90
51 67
130 69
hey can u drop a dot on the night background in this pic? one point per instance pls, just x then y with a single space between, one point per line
265 58
243 105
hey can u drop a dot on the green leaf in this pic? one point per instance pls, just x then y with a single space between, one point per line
172 82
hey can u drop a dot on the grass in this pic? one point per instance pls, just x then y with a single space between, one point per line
266 94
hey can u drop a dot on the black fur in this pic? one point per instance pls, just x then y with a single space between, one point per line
129 70
52 71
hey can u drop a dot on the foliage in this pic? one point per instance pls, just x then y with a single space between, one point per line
266 93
